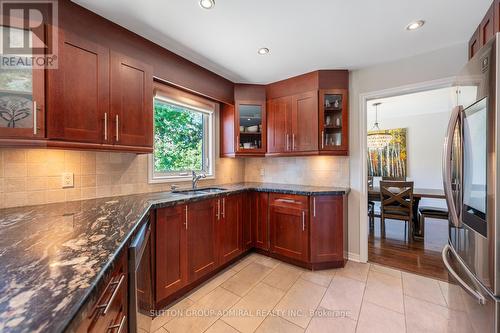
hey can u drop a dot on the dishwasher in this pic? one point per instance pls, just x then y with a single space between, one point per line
141 311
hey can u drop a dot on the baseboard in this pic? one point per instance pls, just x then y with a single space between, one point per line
353 256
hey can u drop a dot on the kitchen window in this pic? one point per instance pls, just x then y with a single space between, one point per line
183 136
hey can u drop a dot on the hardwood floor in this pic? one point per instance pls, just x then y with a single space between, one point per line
420 257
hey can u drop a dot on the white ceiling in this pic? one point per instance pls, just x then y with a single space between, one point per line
302 35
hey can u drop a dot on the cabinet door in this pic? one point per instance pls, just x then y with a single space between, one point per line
333 122
202 238
259 219
171 256
474 43
327 234
289 232
278 125
229 225
22 96
79 94
251 127
131 101
246 222
487 26
305 122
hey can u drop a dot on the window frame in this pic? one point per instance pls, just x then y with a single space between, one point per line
195 103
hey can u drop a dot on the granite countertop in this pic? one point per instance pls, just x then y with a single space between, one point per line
52 256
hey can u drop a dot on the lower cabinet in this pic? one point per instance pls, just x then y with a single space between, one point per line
288 217
201 238
171 250
229 218
328 223
247 239
258 210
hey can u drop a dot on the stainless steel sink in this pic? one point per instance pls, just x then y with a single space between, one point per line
198 191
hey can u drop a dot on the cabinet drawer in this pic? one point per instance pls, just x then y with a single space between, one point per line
289 200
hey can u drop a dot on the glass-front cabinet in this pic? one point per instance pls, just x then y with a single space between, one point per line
333 124
21 95
251 127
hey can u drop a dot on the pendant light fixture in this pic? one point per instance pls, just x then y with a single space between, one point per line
377 138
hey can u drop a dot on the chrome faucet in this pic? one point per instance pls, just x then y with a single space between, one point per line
196 178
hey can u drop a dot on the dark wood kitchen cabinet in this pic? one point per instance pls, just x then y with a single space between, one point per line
289 226
201 238
486 30
333 122
78 98
328 220
246 222
229 216
171 250
304 122
258 209
131 101
279 114
22 99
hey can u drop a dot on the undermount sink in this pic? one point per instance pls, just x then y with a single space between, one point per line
206 190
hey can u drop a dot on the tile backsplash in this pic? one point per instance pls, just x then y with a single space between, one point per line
315 170
34 176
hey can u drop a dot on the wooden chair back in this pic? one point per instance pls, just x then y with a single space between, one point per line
399 179
396 198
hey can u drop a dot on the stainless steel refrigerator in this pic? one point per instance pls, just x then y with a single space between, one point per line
470 169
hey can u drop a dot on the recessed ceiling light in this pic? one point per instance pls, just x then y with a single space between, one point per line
207 4
415 25
263 50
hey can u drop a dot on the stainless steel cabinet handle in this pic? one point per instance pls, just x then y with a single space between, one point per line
322 139
293 141
117 128
186 224
303 220
314 206
105 126
448 146
223 207
218 209
286 200
120 326
118 284
480 298
237 142
287 142
35 121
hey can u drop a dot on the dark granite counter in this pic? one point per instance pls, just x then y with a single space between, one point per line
53 256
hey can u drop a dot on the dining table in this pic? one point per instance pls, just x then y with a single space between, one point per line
418 194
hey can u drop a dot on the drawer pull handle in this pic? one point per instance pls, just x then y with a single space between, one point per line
314 207
303 220
105 126
107 305
117 123
287 201
120 326
35 121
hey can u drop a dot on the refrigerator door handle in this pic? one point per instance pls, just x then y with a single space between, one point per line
478 296
447 181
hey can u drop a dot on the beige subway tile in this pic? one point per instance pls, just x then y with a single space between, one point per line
115 190
88 193
56 196
88 168
2 201
36 198
72 157
55 169
36 183
14 156
73 167
14 199
55 156
88 157
88 181
115 158
103 191
102 180
37 169
15 184
1 185
36 156
73 194
54 182
15 170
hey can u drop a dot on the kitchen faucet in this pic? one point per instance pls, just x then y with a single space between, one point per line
196 178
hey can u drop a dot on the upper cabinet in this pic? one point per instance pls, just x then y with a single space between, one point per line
486 29
243 126
333 121
22 97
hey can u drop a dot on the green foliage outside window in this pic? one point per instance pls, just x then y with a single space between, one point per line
178 138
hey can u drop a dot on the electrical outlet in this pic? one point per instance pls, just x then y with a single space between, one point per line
262 172
67 180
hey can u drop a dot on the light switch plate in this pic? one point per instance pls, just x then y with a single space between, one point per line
67 180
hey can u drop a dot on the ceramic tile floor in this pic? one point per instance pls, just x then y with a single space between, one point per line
260 294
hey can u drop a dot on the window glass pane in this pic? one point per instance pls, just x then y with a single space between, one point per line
179 138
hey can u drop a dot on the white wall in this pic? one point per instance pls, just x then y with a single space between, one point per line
431 66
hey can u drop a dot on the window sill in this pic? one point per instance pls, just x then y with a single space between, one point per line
176 179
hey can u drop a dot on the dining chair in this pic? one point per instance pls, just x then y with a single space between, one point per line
387 178
396 198
431 212
371 205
